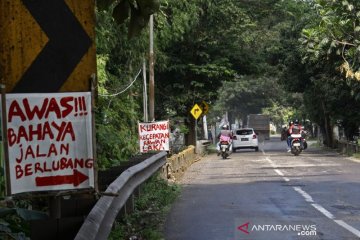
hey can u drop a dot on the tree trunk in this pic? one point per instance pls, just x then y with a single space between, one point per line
190 136
327 127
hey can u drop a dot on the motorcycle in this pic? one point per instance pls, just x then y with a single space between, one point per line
225 147
297 144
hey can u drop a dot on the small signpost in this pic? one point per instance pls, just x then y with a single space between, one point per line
154 136
197 111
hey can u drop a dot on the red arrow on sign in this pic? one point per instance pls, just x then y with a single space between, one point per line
76 178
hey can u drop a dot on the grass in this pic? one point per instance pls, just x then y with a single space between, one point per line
211 149
316 144
356 155
146 222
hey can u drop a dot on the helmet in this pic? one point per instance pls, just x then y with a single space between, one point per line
296 121
225 127
291 123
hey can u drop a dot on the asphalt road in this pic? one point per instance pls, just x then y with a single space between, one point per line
269 194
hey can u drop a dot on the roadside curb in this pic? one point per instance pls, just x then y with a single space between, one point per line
353 159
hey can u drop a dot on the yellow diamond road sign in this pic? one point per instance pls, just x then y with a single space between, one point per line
205 107
196 111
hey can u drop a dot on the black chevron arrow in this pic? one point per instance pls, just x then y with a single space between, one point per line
68 42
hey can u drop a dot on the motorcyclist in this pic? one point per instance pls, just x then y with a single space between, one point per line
224 135
295 128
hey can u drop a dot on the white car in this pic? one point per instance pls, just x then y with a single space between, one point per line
245 138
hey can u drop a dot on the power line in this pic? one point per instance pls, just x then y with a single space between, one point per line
118 93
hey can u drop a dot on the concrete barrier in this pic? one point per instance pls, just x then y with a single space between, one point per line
177 164
201 146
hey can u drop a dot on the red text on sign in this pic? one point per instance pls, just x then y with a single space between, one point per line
38 132
61 108
53 166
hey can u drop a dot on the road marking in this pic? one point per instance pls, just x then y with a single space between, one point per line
286 179
318 207
271 162
307 197
278 172
348 227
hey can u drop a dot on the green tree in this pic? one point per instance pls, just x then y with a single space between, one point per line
201 55
119 60
336 32
330 54
137 11
269 45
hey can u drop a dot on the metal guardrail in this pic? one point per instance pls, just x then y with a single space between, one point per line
98 223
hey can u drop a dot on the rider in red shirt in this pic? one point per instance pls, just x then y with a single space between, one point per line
295 128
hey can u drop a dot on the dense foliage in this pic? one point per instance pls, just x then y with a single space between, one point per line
118 105
330 58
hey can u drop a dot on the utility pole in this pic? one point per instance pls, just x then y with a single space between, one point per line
145 100
151 71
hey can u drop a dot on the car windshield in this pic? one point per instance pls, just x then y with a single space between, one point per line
244 132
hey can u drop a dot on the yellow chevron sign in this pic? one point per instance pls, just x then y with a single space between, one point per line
205 107
47 46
